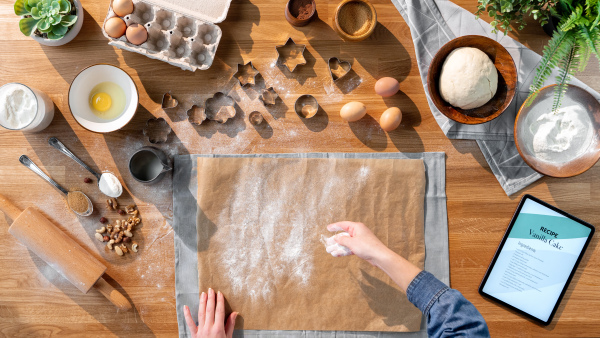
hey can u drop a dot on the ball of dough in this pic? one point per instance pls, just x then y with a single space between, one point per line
468 79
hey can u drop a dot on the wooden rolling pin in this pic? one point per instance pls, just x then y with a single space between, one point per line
61 252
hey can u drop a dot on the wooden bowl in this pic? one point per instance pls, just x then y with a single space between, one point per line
507 80
354 37
575 166
294 21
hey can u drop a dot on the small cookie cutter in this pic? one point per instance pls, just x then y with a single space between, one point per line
306 106
345 67
196 115
225 110
168 101
246 74
269 97
157 130
255 118
288 50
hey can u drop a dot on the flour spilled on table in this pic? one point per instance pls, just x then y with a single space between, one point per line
271 245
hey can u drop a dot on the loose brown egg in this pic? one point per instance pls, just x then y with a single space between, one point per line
390 119
353 111
122 7
387 86
137 34
115 27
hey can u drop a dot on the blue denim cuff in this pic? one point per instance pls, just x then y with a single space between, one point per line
424 290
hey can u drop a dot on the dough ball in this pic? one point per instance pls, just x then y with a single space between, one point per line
468 79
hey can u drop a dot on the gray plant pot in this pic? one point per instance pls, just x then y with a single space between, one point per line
71 34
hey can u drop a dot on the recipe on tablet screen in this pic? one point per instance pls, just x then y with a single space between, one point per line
537 258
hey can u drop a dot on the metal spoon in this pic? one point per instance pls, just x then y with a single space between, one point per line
26 161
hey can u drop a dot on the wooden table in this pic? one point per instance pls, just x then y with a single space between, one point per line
36 301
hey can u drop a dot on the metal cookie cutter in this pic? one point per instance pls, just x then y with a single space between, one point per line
157 130
291 55
306 106
338 68
268 97
246 74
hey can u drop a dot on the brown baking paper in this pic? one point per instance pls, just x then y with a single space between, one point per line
260 221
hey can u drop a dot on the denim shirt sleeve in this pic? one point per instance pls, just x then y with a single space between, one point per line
448 312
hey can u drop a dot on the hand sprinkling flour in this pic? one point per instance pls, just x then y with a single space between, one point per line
335 249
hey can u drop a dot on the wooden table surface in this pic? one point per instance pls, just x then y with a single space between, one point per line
36 301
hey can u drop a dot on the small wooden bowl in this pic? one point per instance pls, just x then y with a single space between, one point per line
294 21
575 166
354 37
507 80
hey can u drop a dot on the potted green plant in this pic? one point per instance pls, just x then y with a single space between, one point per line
576 38
50 22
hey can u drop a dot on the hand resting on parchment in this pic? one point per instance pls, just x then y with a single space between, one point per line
211 317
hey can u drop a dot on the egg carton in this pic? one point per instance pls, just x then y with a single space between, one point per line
181 40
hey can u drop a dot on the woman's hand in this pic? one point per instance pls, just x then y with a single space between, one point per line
211 317
362 242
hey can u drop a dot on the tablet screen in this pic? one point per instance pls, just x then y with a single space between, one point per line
536 259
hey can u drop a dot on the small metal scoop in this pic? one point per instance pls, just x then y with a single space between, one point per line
148 165
26 161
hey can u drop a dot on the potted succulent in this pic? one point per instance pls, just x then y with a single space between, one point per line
50 22
576 38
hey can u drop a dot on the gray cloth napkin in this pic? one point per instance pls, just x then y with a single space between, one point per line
433 23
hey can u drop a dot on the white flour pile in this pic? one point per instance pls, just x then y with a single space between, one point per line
271 245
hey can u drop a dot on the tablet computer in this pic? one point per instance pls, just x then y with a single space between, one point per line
536 259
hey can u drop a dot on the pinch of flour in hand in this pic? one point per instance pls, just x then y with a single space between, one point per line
333 247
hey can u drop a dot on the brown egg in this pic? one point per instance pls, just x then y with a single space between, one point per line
387 86
137 34
353 111
390 119
122 7
115 27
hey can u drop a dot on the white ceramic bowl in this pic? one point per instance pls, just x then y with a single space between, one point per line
79 94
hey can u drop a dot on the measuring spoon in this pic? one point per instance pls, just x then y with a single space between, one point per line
26 161
54 142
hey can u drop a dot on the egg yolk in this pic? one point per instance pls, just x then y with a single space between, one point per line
101 102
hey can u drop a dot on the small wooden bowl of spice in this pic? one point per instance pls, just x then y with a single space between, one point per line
300 12
355 20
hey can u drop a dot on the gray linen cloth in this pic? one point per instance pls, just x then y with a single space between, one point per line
433 23
185 190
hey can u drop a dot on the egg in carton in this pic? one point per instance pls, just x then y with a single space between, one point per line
181 40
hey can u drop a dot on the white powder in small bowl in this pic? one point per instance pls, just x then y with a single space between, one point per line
110 185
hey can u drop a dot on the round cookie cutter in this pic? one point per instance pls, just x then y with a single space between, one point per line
306 106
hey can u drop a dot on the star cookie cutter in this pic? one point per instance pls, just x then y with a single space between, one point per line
338 68
291 55
268 97
246 74
157 130
220 107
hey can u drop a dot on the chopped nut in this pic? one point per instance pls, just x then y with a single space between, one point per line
130 209
105 238
114 202
101 230
119 237
109 228
119 251
118 222
122 212
124 248
103 220
110 244
134 247
99 237
135 213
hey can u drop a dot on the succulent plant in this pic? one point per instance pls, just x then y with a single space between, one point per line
48 16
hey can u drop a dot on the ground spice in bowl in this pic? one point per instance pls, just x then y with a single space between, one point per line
78 202
301 9
355 18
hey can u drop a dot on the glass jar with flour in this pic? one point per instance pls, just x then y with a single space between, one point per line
24 108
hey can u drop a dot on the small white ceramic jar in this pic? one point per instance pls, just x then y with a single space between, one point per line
43 109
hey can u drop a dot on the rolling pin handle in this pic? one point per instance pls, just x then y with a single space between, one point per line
112 295
11 210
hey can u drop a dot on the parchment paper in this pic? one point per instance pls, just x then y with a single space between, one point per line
259 223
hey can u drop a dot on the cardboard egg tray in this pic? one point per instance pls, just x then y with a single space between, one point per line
181 40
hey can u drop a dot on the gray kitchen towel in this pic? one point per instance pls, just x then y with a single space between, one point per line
185 190
433 23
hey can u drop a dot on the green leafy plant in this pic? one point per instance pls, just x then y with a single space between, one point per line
47 16
577 36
